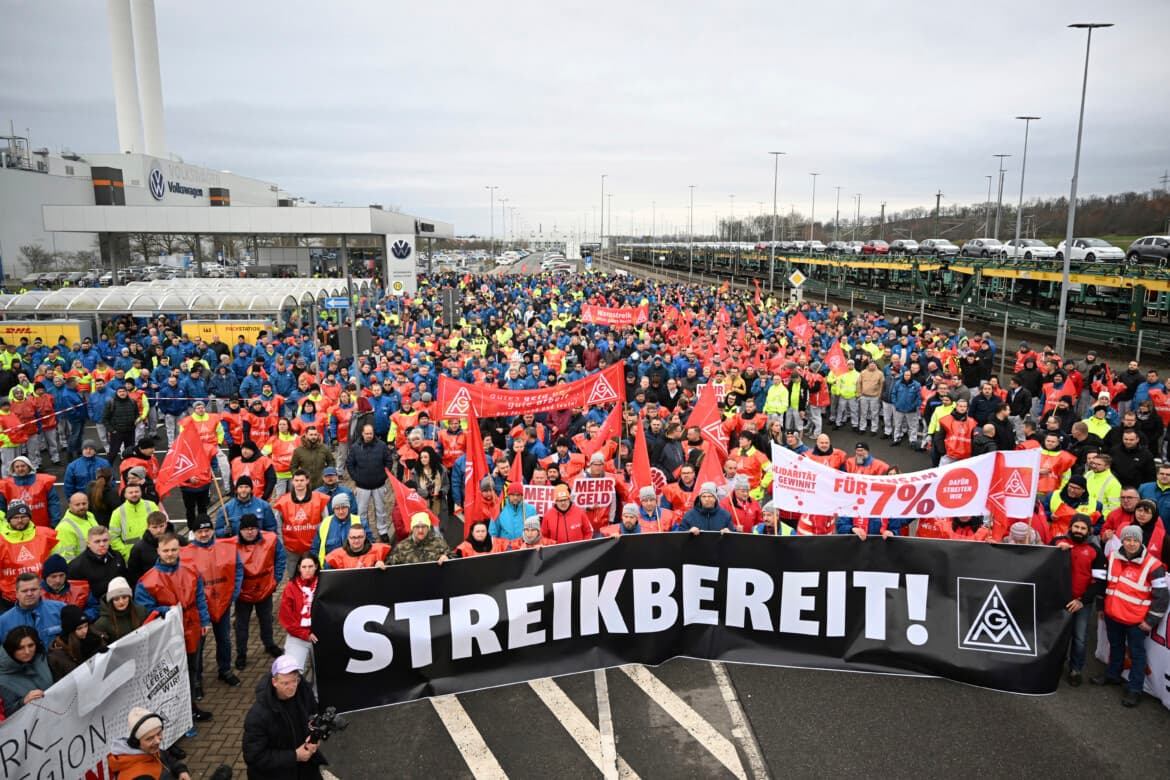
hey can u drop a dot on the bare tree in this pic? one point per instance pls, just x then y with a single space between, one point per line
38 259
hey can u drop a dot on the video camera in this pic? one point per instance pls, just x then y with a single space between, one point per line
324 724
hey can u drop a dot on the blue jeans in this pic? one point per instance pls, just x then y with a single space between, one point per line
1080 632
223 646
1120 635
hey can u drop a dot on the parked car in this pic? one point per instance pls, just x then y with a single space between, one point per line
837 247
938 247
1092 250
1150 249
1028 249
853 247
904 246
981 247
815 247
875 247
32 280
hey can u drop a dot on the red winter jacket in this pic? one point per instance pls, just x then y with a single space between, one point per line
296 607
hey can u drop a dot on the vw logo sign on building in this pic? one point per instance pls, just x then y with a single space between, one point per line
400 249
157 182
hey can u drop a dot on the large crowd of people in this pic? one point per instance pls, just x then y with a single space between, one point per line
309 448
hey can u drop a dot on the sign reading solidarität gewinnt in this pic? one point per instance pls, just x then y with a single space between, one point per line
459 399
989 615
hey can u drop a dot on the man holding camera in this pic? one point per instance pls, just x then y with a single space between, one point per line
277 739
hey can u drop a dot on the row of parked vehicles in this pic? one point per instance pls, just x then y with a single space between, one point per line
136 273
1147 249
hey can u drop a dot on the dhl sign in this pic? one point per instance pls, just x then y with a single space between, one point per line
48 331
229 331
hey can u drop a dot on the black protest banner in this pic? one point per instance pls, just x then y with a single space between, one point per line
989 615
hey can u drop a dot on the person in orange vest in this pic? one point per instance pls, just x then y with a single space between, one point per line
531 536
1074 498
630 523
262 560
13 435
1054 464
359 552
1136 599
340 420
172 582
825 454
299 513
210 431
36 490
967 529
222 575
257 466
479 542
24 547
56 586
864 463
564 521
953 437
681 495
653 515
452 441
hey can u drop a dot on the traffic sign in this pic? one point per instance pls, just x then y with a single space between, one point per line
796 278
337 303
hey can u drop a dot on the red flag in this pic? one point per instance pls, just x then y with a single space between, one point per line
720 345
757 283
477 469
751 318
516 474
609 429
707 418
711 469
800 327
640 475
409 502
836 359
187 460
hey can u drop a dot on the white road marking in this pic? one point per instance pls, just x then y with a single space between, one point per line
580 728
703 732
476 754
740 728
605 726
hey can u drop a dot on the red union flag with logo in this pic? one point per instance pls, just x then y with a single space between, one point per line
836 360
616 317
460 399
1013 488
959 489
187 460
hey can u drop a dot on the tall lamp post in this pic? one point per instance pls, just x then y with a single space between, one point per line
772 248
1062 317
1023 169
987 207
999 201
812 212
492 212
504 222
601 223
691 233
731 220
837 219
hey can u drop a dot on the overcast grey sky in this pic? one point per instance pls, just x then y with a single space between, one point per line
424 104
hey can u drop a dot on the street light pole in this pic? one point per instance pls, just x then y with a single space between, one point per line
1062 317
731 220
837 219
1023 169
812 212
987 207
857 217
691 232
601 222
492 212
504 222
999 201
772 249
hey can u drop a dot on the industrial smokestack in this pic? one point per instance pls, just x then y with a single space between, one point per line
125 79
149 76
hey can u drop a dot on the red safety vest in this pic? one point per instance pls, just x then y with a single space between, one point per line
254 469
77 594
1128 590
177 588
454 445
876 468
282 452
206 428
815 525
235 424
1082 555
18 557
520 544
149 464
1057 463
615 529
340 559
261 428
833 460
35 495
467 551
958 436
217 566
300 521
259 562
343 414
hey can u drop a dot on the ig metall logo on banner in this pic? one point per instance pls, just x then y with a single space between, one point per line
996 616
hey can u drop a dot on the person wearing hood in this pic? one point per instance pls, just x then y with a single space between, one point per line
222 573
480 542
227 520
140 753
36 490
76 643
1070 500
119 614
1136 599
24 669
1153 532
1089 565
223 384
509 524
276 734
706 514
262 558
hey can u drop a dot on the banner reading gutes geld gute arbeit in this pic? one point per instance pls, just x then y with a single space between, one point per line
959 489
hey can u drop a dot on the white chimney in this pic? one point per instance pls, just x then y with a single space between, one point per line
146 47
125 80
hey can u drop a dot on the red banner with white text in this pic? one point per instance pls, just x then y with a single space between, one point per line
460 399
617 317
